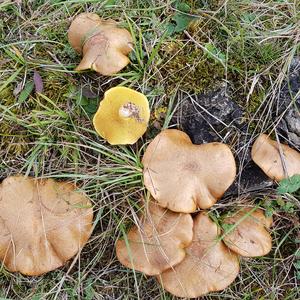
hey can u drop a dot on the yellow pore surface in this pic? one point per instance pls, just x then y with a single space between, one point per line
119 130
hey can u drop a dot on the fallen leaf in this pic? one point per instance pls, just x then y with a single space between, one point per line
38 82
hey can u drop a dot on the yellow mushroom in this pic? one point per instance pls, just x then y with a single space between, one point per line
123 116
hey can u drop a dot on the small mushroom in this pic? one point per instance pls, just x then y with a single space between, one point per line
123 116
158 242
182 176
43 223
248 236
104 46
208 265
277 160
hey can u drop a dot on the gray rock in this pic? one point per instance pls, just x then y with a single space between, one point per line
210 117
289 105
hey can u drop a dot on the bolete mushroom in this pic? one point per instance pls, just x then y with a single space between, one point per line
123 116
208 265
158 242
182 176
104 46
248 235
43 223
277 160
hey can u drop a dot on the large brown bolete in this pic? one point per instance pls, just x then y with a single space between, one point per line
104 46
248 235
158 242
277 160
182 176
208 265
43 223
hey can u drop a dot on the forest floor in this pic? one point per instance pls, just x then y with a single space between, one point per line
180 47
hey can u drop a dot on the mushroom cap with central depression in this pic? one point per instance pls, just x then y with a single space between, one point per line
182 176
248 236
208 265
43 223
158 242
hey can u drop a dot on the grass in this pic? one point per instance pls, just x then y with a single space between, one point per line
246 44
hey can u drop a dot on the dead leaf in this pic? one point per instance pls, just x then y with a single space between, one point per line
38 82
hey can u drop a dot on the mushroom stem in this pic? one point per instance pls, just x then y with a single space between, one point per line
130 110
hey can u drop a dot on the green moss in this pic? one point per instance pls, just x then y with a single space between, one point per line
13 136
203 4
14 139
56 85
255 100
24 123
7 97
188 67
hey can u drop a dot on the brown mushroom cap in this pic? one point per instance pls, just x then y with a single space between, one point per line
158 243
182 176
208 266
266 153
105 47
248 236
43 223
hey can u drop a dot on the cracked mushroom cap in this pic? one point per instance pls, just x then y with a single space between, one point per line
158 243
123 116
104 46
208 265
182 176
277 160
43 223
248 236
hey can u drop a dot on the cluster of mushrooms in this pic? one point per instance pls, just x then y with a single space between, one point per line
189 254
45 222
